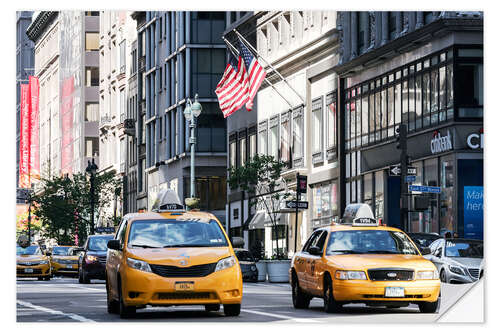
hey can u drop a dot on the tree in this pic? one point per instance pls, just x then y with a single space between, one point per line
261 178
63 205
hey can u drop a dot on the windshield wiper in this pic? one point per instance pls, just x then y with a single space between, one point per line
145 246
347 251
190 245
383 252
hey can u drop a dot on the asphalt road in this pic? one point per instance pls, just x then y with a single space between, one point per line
64 300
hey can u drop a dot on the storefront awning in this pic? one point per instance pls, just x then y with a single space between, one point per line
261 220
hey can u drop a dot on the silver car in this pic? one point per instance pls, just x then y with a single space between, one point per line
457 260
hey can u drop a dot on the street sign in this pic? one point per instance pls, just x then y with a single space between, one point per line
105 229
301 204
411 179
426 189
395 170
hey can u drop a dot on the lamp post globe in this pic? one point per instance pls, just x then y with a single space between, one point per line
196 107
192 112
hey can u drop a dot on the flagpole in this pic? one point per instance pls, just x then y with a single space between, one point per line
254 51
235 52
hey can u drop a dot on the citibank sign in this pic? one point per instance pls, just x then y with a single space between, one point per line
440 143
475 140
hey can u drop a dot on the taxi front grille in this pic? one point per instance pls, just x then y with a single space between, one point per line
67 261
35 271
185 296
192 271
390 274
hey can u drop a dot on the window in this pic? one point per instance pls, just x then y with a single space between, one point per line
262 145
298 133
470 90
317 125
232 154
207 27
91 41
122 105
122 56
211 129
91 13
273 137
91 147
92 112
207 67
285 137
243 150
362 30
331 109
91 76
367 189
252 143
392 25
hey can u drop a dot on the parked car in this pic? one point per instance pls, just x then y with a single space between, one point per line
423 239
457 260
247 265
92 260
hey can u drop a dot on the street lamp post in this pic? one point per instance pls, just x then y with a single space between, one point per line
92 170
192 112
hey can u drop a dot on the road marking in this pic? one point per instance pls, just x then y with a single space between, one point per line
300 320
55 312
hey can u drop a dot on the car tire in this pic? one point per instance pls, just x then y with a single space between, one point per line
330 304
123 310
232 310
113 305
442 276
85 277
40 278
430 307
299 298
212 307
47 278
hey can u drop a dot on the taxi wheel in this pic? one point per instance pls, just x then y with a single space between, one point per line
113 306
232 310
85 278
300 300
442 276
125 311
330 304
430 307
212 307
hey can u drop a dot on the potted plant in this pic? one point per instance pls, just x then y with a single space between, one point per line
261 178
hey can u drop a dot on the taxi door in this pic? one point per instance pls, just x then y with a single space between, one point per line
301 262
115 258
315 265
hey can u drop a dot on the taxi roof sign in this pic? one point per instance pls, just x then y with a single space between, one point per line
359 214
167 200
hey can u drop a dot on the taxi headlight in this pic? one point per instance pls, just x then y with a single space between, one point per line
139 264
427 275
350 275
456 270
225 263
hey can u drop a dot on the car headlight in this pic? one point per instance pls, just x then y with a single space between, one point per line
427 275
90 259
456 270
225 263
350 275
139 264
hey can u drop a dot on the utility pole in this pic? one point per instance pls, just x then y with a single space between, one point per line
402 145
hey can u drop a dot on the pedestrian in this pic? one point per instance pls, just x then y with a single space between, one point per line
455 234
447 234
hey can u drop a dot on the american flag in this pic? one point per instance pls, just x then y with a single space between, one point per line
232 90
256 73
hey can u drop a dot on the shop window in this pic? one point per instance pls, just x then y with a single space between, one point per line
367 189
397 104
411 103
379 195
434 96
446 206
418 101
426 99
431 218
364 111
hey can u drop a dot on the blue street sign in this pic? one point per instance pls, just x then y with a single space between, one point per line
411 179
427 189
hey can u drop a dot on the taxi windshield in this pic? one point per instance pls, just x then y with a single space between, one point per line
464 249
61 251
175 233
30 250
369 242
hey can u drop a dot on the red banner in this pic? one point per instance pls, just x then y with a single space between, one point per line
24 142
67 126
34 164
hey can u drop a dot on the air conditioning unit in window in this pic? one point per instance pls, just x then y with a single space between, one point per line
129 126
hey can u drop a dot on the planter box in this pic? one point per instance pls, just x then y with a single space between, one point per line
262 268
277 270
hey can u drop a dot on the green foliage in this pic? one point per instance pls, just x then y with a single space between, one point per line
261 178
64 205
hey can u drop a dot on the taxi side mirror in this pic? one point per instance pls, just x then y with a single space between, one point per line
315 251
425 251
114 244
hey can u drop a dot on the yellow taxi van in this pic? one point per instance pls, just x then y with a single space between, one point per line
360 261
172 257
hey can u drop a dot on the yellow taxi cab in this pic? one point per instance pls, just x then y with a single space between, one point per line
360 261
32 262
63 261
172 257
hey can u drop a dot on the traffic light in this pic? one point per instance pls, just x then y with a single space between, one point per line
401 138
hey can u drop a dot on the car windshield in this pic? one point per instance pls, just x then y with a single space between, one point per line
175 233
30 250
61 251
244 256
464 249
369 242
99 243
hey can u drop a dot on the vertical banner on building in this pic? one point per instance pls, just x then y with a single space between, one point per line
24 144
34 164
67 126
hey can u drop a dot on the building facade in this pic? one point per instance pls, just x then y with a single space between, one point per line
425 70
25 62
67 65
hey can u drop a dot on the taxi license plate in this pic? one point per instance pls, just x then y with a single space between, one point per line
184 286
394 292
69 266
28 270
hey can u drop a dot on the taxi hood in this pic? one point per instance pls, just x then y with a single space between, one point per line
65 257
31 257
173 256
369 261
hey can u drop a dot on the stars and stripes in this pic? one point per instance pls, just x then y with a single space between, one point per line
232 90
256 73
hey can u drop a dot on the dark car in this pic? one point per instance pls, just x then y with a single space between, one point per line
92 261
422 239
247 264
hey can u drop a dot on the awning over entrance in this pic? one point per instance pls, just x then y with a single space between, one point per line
261 220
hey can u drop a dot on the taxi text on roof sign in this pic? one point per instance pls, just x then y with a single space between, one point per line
364 222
